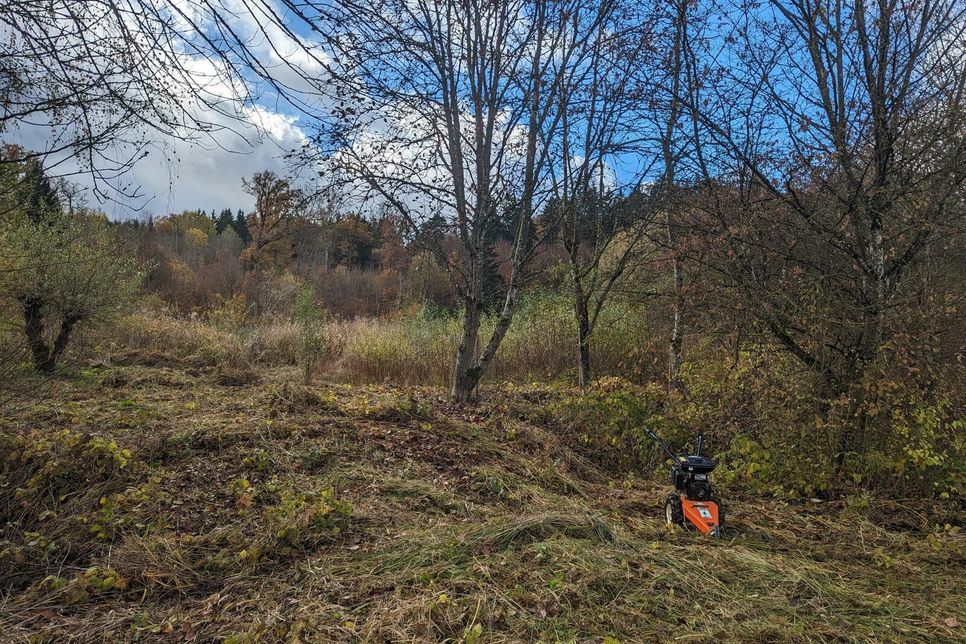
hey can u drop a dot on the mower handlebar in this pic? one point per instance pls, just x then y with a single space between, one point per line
667 450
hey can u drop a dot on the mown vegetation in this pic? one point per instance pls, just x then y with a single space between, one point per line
251 463
174 480
151 502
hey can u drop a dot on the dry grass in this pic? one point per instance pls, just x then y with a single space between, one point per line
231 521
406 350
540 527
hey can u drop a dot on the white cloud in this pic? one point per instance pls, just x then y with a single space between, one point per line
180 175
208 175
206 171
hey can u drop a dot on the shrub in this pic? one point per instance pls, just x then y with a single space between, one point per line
311 343
231 315
776 435
759 416
63 272
607 420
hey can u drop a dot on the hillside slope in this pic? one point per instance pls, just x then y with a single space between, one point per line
158 503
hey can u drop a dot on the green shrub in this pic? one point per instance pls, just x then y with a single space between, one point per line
776 435
311 343
63 272
607 420
42 467
759 417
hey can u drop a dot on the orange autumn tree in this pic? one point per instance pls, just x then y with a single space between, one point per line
271 225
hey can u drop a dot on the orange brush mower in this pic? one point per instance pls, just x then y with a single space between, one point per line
694 501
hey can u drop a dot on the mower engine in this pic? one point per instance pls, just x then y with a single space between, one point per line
690 476
695 501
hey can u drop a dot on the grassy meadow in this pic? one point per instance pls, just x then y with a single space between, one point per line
176 482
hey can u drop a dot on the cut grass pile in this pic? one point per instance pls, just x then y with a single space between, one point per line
146 503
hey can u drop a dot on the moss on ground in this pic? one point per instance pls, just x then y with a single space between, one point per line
143 503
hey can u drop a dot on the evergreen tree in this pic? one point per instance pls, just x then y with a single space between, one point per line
41 196
494 286
225 220
241 227
29 189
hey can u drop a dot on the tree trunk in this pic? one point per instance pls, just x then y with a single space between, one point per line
875 295
677 331
307 370
466 379
583 340
33 317
466 373
670 166
63 336
45 357
677 340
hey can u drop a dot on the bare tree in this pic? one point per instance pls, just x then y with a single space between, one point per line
450 111
600 228
671 112
834 147
98 83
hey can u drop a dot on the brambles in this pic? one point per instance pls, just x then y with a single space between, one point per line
394 408
119 511
59 491
607 419
289 398
42 466
92 583
303 519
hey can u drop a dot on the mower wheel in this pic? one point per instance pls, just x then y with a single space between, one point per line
673 512
721 511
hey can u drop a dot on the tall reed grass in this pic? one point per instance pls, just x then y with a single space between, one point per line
414 348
